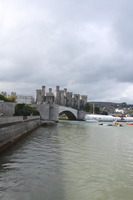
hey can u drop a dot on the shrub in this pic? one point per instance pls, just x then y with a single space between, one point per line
11 98
3 98
25 110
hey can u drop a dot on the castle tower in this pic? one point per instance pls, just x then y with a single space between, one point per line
49 97
43 94
50 91
65 96
57 95
38 96
76 100
13 94
83 100
65 91
43 90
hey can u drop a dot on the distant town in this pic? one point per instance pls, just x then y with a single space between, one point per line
77 101
115 109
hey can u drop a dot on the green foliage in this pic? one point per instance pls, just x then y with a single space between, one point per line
94 109
25 110
11 98
113 105
124 104
63 116
97 110
88 107
3 98
104 113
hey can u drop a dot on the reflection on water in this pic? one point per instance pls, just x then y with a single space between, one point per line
71 161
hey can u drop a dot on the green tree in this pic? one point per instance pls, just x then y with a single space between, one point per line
3 98
104 112
97 110
88 107
124 104
25 110
11 98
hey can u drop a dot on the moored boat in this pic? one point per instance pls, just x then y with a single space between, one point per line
114 124
129 123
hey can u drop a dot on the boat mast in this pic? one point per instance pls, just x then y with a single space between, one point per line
93 108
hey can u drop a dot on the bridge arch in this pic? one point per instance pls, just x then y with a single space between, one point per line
69 112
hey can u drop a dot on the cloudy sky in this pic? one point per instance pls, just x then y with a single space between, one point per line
85 46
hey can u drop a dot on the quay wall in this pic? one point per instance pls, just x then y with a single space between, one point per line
15 129
14 119
7 109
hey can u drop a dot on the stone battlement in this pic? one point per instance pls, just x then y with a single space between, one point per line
60 97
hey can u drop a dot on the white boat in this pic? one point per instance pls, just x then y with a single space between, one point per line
98 118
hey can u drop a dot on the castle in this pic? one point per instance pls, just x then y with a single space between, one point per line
60 97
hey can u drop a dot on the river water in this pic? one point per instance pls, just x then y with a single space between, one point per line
70 161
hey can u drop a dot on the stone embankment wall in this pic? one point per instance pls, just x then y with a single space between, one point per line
7 109
47 111
16 119
14 128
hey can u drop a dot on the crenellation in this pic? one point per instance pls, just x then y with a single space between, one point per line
60 97
57 95
13 94
38 96
3 93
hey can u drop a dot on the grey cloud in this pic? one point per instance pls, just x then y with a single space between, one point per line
84 46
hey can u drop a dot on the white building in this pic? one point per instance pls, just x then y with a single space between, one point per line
24 99
119 111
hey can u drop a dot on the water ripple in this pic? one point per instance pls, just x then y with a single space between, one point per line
70 161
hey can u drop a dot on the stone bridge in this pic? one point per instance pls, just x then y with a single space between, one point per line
52 112
47 111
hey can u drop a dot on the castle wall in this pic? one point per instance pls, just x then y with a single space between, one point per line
38 96
61 97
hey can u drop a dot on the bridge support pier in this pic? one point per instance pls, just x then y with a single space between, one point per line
81 115
48 112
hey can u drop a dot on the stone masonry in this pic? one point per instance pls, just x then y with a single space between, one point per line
60 97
